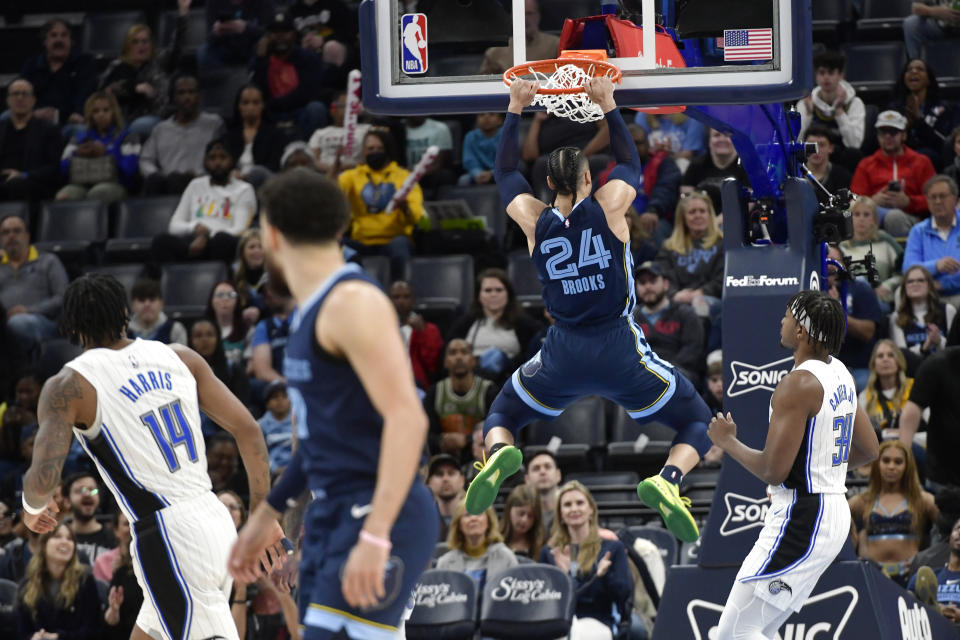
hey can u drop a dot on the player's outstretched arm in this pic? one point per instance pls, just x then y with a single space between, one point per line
621 189
796 398
865 447
66 400
515 192
359 323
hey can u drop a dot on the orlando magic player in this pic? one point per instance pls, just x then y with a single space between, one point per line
134 405
581 248
361 428
816 430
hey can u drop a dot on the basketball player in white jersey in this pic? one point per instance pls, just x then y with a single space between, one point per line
134 406
816 430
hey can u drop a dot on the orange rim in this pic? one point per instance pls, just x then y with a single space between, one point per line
594 68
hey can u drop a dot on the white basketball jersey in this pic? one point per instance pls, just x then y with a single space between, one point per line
821 463
146 439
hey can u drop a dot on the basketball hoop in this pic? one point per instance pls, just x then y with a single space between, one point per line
560 82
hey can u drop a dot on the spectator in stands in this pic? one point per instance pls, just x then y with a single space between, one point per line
61 77
894 514
938 553
29 148
864 318
107 561
74 612
597 565
548 132
894 176
543 474
369 188
832 176
720 162
540 45
422 133
294 80
249 275
868 238
480 149
15 555
888 387
931 20
223 466
31 287
147 319
253 140
713 394
945 600
677 134
206 341
269 343
83 493
921 319
329 28
929 118
327 142
934 245
476 546
296 155
175 153
458 403
642 246
140 77
233 29
496 327
446 481
124 598
672 328
661 182
223 310
834 105
7 514
213 211
20 447
424 341
953 166
691 259
937 387
277 424
522 529
100 162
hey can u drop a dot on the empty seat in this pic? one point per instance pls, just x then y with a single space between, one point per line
186 287
441 282
943 59
883 19
196 33
665 541
690 552
139 220
609 486
509 612
445 607
526 282
581 428
218 90
873 69
378 267
626 450
8 604
484 202
54 354
104 33
71 226
127 274
828 15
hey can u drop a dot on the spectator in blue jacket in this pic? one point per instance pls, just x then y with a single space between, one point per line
678 134
935 245
480 149
100 162
597 565
277 424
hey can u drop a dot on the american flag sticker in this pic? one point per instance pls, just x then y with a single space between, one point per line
747 44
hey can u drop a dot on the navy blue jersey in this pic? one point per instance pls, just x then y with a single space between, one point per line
337 426
585 270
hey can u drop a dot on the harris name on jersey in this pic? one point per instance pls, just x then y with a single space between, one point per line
146 382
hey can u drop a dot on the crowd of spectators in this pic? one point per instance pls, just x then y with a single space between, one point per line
138 125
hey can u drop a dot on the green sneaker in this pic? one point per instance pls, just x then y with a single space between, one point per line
926 588
657 493
483 490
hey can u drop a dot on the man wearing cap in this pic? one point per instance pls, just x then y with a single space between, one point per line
446 481
213 211
935 244
894 176
294 80
673 330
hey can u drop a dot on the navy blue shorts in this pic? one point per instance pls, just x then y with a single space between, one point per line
332 527
612 360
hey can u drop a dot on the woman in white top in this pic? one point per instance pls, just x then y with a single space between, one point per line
921 320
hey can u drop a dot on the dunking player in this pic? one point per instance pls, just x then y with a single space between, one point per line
581 248
135 405
816 430
371 527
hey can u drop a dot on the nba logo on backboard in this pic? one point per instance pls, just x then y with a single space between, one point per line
413 43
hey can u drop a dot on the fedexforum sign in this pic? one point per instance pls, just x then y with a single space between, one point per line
762 281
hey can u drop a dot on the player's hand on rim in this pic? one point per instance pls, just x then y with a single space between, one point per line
600 90
722 429
43 522
522 93
363 574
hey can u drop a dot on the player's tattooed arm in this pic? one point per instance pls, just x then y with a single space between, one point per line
293 518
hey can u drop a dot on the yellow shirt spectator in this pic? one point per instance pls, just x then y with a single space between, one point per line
368 191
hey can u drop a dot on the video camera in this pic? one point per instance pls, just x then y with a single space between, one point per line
834 222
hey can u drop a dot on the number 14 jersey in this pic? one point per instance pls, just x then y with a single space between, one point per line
585 270
146 439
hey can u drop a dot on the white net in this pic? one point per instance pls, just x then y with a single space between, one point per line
573 106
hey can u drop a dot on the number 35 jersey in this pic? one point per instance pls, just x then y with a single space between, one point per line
585 270
821 462
146 439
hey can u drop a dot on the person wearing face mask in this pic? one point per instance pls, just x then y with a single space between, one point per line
369 187
213 211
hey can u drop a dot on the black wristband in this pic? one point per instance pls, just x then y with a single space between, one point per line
245 603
